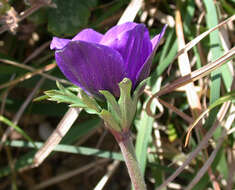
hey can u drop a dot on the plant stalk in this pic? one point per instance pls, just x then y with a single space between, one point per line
125 143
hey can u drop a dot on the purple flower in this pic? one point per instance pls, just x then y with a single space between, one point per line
94 61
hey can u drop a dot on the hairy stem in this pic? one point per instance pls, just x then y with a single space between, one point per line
125 143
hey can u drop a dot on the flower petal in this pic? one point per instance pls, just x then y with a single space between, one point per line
155 41
92 67
88 35
58 43
145 69
133 44
117 30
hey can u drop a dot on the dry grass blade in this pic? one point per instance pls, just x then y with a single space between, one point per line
177 111
111 169
131 11
26 67
203 144
29 75
62 128
203 35
185 69
195 75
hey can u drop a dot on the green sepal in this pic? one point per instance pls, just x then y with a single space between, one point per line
127 106
109 120
90 102
113 106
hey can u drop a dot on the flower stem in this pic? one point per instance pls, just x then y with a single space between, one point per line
125 143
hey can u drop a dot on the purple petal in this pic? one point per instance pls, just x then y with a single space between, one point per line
58 43
92 67
88 35
133 44
155 41
145 69
114 32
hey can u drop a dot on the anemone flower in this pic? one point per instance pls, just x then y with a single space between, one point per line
95 61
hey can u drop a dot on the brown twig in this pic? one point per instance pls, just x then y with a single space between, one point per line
36 71
177 111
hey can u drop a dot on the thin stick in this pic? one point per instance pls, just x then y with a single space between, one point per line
177 111
26 67
185 68
28 75
61 129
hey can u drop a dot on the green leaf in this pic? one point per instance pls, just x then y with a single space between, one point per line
64 97
69 149
40 98
144 131
69 17
225 98
27 159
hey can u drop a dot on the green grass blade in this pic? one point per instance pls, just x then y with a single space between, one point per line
17 128
69 149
